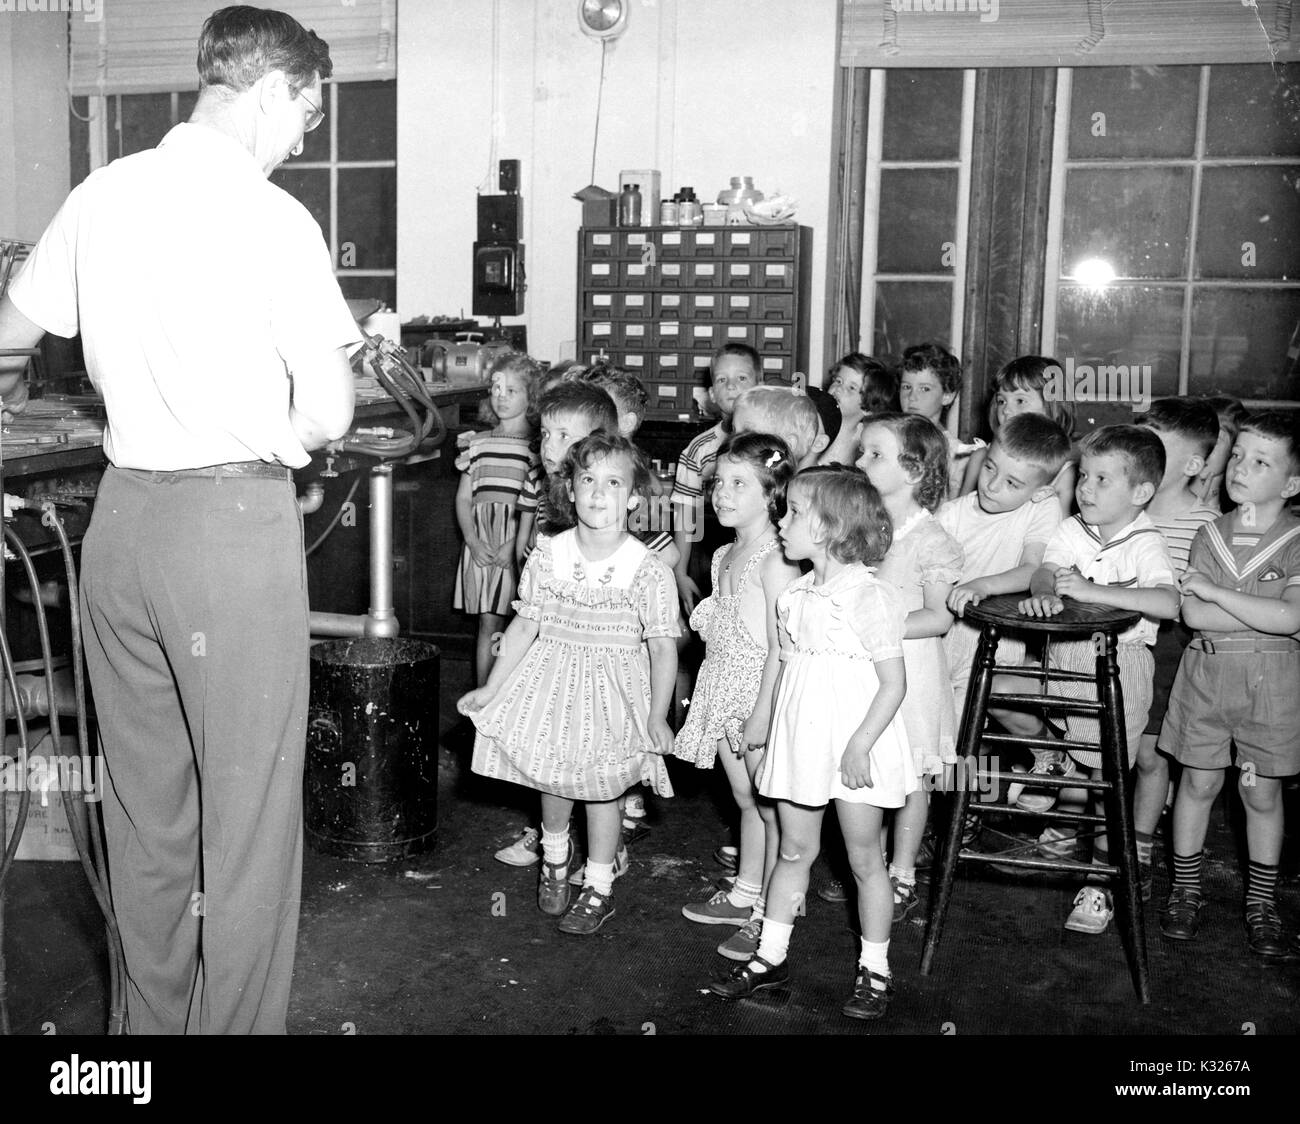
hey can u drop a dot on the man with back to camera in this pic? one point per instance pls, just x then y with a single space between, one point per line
214 328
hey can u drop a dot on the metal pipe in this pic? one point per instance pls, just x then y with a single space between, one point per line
381 552
313 499
337 624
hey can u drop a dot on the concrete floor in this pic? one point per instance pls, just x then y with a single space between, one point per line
452 943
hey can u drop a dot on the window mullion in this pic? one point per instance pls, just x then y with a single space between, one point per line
871 210
1056 208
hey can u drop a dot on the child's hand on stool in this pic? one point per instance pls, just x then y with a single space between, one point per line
1071 583
963 596
1042 605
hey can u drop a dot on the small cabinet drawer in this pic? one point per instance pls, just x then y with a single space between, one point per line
773 337
669 306
704 306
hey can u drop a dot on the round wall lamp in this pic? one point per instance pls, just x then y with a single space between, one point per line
603 19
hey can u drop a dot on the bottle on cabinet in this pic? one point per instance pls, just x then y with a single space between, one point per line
629 205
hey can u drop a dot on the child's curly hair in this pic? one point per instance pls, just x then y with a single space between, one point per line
527 369
937 358
772 462
582 454
923 453
848 510
879 392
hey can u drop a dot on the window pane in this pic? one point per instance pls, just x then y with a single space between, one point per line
1133 111
368 217
1239 343
381 288
910 312
918 214
922 115
1254 111
1131 325
1134 220
143 120
311 187
367 125
1250 223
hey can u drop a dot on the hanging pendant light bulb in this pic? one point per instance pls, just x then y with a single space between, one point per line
603 19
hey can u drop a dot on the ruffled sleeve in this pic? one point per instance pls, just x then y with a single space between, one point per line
537 572
657 600
784 641
941 558
877 615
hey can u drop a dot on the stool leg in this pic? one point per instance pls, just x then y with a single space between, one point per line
1119 818
972 728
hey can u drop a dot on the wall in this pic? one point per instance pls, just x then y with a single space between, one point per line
700 89
33 121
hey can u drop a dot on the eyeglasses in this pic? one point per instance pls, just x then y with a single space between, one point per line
317 113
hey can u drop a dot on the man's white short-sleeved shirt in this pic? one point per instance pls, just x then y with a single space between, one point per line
191 278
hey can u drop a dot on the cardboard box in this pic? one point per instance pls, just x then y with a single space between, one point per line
599 206
46 835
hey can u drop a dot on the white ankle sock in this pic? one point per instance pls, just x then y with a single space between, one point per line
600 877
775 941
743 893
875 957
555 845
905 874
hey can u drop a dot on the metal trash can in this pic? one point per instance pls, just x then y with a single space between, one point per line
371 776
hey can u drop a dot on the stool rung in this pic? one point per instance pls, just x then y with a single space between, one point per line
1046 782
1053 815
1059 673
1039 743
1064 866
1048 702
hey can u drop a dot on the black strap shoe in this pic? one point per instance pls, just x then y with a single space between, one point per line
743 981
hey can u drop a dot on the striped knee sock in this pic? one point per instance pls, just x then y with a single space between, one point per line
1187 870
1261 885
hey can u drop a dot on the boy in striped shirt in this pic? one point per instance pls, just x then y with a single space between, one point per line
1188 428
735 368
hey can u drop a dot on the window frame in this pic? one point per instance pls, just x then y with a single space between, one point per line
1188 285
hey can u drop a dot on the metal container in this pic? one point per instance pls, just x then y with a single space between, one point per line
370 785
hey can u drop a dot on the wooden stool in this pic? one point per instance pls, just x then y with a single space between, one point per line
997 615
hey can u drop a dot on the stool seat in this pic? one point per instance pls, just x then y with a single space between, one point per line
995 616
1077 616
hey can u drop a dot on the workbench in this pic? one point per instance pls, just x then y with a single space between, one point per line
55 449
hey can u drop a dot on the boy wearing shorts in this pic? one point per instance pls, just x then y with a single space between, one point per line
1239 678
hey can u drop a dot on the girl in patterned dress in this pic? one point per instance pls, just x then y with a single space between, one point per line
576 705
732 702
835 731
499 462
906 457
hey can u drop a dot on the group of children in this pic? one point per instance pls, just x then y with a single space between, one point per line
826 557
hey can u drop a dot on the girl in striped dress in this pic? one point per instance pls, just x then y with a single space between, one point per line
499 461
576 706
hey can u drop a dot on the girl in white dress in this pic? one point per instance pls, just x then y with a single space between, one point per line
906 458
835 733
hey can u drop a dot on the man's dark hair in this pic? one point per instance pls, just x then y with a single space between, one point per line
240 44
